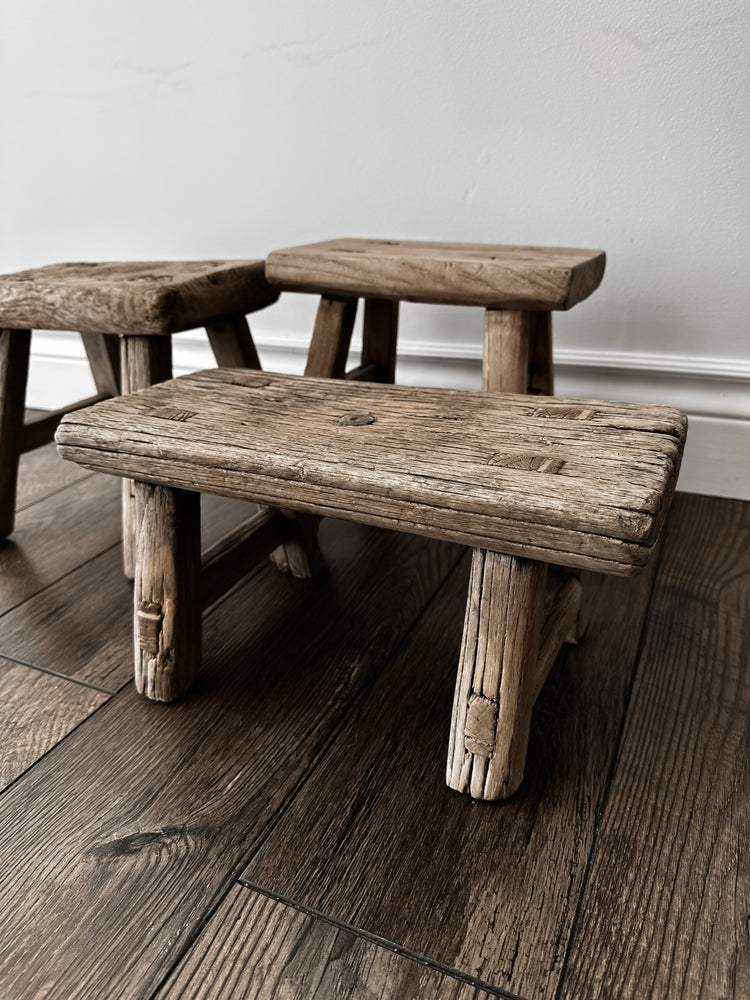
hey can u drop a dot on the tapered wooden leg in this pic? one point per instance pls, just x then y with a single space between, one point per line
499 668
332 334
233 344
497 676
144 362
15 346
103 352
167 591
379 337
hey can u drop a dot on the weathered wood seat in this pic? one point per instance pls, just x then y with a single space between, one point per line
139 303
539 480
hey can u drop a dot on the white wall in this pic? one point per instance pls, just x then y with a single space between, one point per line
177 128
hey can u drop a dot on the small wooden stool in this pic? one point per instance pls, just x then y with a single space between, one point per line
144 303
529 481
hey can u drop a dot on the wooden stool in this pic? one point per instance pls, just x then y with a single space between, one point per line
144 303
529 481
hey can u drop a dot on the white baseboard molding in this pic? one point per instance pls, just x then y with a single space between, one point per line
714 392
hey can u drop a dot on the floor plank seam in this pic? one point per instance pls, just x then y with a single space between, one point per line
354 707
53 583
25 773
381 942
233 877
57 673
54 493
601 810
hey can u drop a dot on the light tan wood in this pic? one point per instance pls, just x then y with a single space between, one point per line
332 334
507 350
379 337
41 429
103 353
233 556
137 298
145 361
475 274
167 621
14 365
232 343
584 484
496 684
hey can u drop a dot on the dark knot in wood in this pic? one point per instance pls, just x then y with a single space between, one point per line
356 419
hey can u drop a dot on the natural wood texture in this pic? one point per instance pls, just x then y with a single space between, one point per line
40 430
233 556
670 866
103 353
95 592
363 373
233 344
52 538
379 337
167 623
145 361
507 350
300 554
258 947
332 334
541 377
36 711
196 786
584 484
135 298
473 274
14 363
375 840
496 685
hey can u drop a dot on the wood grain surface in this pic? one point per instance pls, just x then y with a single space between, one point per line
51 538
258 947
41 473
92 606
473 274
665 913
15 346
376 840
583 484
36 711
276 688
143 298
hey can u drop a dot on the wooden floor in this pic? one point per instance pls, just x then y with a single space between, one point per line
285 832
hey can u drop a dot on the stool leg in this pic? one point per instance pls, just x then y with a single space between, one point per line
541 381
379 336
103 352
144 362
497 673
15 346
332 334
233 344
167 626
497 676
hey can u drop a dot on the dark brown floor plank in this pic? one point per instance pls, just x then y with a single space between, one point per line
36 711
119 841
82 625
666 910
42 472
55 536
257 947
375 839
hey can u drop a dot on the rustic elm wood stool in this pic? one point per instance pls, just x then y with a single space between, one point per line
144 303
537 480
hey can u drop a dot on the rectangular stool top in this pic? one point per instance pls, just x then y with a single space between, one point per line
470 274
579 483
133 297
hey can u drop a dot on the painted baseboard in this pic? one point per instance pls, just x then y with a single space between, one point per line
714 392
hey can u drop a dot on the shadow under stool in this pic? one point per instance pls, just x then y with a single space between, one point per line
125 314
